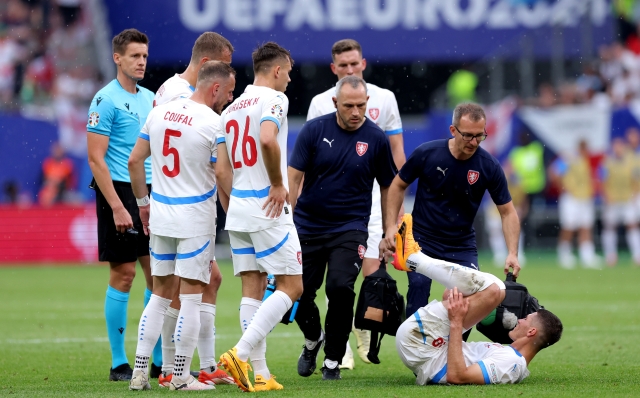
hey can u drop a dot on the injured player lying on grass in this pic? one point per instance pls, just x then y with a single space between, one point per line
430 341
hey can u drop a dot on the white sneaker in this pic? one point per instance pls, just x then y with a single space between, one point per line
347 360
567 261
139 381
363 338
191 384
592 263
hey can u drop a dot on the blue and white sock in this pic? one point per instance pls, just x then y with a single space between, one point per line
149 330
157 350
115 313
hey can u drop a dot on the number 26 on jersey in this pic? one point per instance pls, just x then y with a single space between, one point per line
249 148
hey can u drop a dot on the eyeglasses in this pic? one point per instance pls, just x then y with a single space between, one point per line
468 137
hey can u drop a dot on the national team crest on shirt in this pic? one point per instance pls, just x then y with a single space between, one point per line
361 148
300 257
276 111
374 113
472 176
94 119
361 251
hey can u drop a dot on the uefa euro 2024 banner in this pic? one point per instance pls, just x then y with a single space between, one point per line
389 30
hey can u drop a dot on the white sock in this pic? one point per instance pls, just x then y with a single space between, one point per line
264 320
186 333
633 241
258 356
330 364
207 337
587 252
610 242
564 249
521 256
168 343
149 329
467 280
312 344
498 246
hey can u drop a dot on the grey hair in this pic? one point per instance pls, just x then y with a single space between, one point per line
474 111
353 81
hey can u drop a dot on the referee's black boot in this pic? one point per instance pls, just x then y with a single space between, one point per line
308 358
121 373
154 371
330 373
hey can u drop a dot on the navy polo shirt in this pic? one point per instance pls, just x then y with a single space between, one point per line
339 167
450 191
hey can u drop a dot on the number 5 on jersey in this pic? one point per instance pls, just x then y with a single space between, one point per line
249 148
168 150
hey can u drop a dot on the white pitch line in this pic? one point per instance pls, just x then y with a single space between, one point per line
78 340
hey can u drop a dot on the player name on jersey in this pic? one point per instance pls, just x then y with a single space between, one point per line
242 104
178 117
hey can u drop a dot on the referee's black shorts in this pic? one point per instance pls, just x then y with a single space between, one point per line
114 246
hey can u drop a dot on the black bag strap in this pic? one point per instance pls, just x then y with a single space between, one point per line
374 347
375 342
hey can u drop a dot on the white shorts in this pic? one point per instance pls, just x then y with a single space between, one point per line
188 258
375 235
422 342
575 213
619 213
375 223
274 250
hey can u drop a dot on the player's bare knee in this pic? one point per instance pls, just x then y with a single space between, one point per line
125 275
216 280
495 294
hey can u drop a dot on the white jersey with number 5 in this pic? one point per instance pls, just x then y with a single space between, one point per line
173 88
240 131
182 135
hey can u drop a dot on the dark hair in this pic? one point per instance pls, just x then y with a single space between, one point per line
215 69
210 44
345 45
266 54
550 328
122 40
474 111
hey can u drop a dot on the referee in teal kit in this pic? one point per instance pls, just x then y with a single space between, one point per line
117 113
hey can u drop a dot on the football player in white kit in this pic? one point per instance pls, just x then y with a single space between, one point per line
252 171
180 216
208 46
382 109
430 342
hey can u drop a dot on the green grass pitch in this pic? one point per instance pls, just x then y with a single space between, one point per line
53 338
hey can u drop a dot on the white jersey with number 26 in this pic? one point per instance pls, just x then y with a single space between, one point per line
240 131
181 135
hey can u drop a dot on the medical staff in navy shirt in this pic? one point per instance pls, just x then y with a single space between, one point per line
453 175
339 155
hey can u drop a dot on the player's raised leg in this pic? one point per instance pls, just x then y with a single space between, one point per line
489 290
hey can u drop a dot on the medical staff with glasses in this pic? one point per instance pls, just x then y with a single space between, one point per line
453 175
